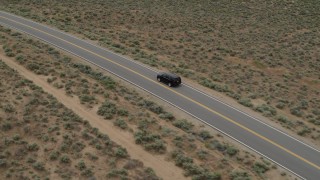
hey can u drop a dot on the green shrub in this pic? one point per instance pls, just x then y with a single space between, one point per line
296 111
304 131
315 121
132 164
282 119
121 152
6 126
87 173
31 160
180 159
68 126
64 147
304 104
267 110
202 154
120 173
280 105
38 166
234 95
178 141
33 66
16 137
260 168
316 112
3 162
54 155
239 175
151 106
8 141
144 124
57 85
123 112
150 174
192 169
107 110
214 144
105 80
9 108
245 102
151 142
20 58
78 146
207 176
86 98
157 145
232 151
215 86
33 147
120 123
16 34
10 54
81 165
183 124
62 75
166 116
98 146
65 159
205 135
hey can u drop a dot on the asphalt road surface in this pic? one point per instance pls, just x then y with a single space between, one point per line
293 155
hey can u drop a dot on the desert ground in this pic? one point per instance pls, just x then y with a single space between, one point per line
261 57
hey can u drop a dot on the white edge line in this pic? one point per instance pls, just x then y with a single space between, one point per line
311 147
83 40
167 102
152 69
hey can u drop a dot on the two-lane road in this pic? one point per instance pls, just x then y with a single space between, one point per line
296 156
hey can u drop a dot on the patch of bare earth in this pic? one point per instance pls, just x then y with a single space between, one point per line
210 153
163 168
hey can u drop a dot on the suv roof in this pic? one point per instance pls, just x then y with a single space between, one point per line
169 74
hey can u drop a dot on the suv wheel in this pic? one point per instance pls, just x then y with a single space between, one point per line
169 84
159 79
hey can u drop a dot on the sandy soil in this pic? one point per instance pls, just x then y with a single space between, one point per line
220 97
182 115
163 168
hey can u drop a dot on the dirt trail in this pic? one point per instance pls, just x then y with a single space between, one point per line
163 168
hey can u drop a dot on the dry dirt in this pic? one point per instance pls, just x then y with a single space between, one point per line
163 168
223 98
125 138
216 95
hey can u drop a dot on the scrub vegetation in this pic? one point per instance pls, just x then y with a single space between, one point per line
42 139
200 153
264 54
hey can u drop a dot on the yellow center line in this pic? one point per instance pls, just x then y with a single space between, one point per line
170 89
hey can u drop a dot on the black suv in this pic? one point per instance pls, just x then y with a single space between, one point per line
168 78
